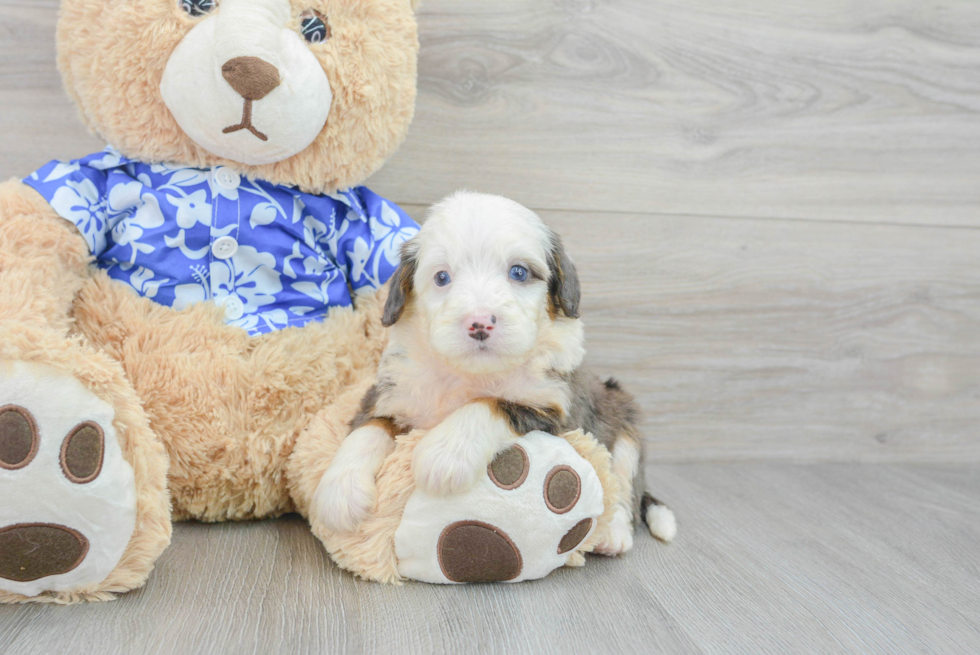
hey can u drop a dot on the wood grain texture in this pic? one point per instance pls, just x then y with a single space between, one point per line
834 109
770 559
830 110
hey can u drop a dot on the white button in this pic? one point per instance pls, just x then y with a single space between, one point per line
227 178
224 247
234 307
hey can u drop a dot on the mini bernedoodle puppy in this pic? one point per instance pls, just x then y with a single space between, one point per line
486 345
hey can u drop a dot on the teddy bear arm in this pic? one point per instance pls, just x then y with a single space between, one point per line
43 261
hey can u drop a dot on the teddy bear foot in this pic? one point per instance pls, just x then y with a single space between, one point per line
69 496
532 511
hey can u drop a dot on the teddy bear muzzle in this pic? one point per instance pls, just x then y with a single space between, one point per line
269 98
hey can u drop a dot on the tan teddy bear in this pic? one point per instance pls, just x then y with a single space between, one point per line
189 319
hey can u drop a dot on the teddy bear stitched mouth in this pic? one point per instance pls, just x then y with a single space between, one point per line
253 79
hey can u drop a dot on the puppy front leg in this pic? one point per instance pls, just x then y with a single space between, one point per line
347 492
457 451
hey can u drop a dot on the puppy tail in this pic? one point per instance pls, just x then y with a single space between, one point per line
659 518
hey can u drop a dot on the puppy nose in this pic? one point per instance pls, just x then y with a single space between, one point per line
251 77
480 326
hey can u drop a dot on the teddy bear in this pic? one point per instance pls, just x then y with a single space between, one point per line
189 318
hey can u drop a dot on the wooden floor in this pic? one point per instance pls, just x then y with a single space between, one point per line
775 210
771 558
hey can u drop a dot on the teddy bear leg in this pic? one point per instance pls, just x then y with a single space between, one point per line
86 509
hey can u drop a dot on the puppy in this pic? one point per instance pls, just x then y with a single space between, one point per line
486 345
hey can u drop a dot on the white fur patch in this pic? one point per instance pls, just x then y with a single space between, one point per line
347 492
661 521
454 453
626 459
103 510
521 513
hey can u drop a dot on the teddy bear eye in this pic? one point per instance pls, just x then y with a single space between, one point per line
198 7
313 27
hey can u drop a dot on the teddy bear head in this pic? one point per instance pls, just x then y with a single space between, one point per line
310 93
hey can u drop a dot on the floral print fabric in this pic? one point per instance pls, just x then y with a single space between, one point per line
272 256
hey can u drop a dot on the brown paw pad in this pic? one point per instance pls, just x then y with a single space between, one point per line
562 488
575 536
509 469
82 452
474 551
29 551
18 437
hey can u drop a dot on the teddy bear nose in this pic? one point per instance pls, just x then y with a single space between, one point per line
251 77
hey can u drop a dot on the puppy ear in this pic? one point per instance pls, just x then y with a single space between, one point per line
401 285
564 292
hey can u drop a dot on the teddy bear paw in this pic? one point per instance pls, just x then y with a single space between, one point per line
69 497
527 514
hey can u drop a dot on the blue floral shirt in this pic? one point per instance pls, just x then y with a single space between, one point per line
272 256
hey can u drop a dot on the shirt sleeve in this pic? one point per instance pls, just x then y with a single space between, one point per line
369 238
76 190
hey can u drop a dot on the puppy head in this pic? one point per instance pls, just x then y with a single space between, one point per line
481 281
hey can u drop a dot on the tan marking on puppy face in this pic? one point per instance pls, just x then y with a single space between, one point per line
113 56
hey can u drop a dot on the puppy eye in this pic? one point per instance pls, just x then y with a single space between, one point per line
518 273
198 7
313 27
442 279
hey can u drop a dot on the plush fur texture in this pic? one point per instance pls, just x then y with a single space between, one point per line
229 407
370 61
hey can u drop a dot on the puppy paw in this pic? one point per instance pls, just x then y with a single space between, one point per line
344 498
447 466
619 537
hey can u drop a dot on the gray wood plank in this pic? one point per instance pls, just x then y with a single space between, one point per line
771 558
834 110
830 110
